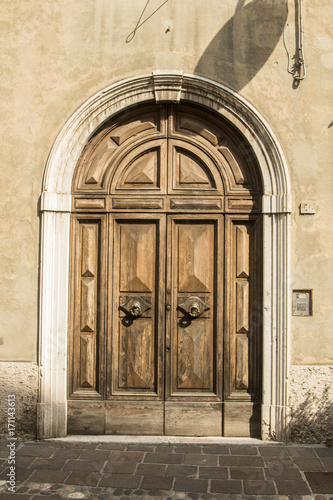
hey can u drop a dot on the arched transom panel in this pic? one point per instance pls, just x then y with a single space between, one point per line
167 158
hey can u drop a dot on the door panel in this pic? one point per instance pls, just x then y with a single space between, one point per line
243 328
136 355
86 369
193 370
195 257
193 374
137 319
137 257
243 320
194 356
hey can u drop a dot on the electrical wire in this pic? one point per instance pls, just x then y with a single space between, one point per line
298 69
138 24
300 54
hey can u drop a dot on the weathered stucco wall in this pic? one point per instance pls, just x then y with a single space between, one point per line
18 380
311 404
57 53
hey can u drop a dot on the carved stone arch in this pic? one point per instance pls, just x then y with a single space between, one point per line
57 204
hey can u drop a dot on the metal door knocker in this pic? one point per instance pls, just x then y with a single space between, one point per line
194 309
136 309
135 306
193 306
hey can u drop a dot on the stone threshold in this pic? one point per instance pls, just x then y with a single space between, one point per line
164 440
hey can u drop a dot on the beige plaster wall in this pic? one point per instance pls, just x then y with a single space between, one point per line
311 403
18 381
57 53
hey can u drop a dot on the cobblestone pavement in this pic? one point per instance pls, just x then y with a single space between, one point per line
178 470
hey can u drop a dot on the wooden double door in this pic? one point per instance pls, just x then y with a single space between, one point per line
165 281
167 324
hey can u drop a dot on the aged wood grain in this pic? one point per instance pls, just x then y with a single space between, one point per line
193 363
86 355
86 417
193 419
241 419
136 347
197 204
137 203
134 417
165 207
86 203
242 336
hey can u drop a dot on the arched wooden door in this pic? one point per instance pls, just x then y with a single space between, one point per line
166 294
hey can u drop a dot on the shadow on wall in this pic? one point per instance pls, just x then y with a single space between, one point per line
18 379
244 44
311 421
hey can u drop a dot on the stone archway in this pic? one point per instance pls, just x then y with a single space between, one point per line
56 206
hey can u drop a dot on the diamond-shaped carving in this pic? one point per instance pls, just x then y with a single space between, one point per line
99 160
88 305
191 171
143 170
194 284
86 329
137 284
194 368
87 356
87 274
137 257
124 132
195 271
136 368
242 252
242 306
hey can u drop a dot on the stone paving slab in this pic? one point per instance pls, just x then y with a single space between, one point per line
94 470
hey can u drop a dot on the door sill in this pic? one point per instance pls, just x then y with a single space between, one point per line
162 439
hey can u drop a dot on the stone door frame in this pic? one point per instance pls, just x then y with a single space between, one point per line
162 86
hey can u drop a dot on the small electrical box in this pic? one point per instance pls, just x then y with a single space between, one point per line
302 302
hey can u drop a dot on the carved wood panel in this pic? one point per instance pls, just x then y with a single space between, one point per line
142 169
135 365
88 306
243 319
190 170
194 320
110 142
168 149
231 151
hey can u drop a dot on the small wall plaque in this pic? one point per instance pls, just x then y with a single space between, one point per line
302 302
307 208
